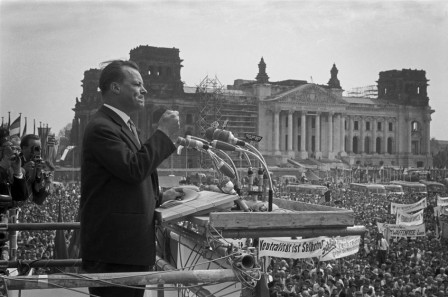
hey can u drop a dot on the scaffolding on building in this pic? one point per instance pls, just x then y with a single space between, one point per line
370 91
233 110
210 92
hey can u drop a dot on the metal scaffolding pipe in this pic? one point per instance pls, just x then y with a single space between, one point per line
198 291
42 263
305 233
52 281
40 226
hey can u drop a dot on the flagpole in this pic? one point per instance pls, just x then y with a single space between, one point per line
20 119
24 129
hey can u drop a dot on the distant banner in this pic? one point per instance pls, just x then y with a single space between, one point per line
396 207
389 230
406 219
324 248
442 201
440 211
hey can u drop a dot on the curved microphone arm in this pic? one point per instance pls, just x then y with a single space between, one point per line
247 159
214 157
262 163
254 150
271 190
196 138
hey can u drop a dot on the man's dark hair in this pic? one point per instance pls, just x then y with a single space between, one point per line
113 72
26 139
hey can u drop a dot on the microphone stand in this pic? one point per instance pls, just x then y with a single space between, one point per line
263 162
259 156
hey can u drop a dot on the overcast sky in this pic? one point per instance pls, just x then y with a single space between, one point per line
45 47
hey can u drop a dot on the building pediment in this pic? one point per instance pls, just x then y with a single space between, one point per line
307 94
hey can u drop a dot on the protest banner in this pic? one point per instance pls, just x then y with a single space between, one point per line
442 201
389 230
324 248
406 219
440 211
397 207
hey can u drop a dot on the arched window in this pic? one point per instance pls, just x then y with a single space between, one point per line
367 145
355 144
415 126
378 145
389 145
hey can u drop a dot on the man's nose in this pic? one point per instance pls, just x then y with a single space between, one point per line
143 90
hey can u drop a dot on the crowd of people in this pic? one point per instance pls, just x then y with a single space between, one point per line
399 267
395 267
40 244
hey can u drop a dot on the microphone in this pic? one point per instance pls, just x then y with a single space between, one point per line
250 175
223 135
190 143
260 179
225 169
224 146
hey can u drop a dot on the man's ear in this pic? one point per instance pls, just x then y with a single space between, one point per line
115 87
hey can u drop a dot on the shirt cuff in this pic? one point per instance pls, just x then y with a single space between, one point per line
19 176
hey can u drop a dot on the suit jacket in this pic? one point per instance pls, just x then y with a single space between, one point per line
119 189
11 185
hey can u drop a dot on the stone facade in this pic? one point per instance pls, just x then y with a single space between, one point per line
297 120
317 121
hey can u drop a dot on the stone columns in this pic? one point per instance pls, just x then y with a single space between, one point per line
303 153
277 132
349 149
303 132
342 142
309 134
375 126
330 135
362 125
290 136
317 144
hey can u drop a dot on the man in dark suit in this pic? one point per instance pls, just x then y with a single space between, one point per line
119 184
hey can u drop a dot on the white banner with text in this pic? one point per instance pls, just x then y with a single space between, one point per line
397 207
406 219
442 201
389 230
324 248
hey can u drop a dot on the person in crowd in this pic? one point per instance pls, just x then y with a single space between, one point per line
38 179
12 184
119 183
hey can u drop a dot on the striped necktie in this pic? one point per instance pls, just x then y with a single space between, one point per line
134 130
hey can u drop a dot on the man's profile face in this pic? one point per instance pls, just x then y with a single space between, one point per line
131 91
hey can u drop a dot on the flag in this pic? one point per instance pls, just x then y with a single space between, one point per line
60 247
14 128
24 128
74 249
